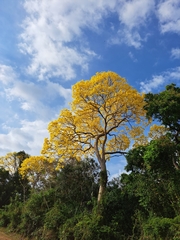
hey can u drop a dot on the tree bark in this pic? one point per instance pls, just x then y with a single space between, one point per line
103 181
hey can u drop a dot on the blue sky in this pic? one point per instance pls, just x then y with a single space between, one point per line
47 46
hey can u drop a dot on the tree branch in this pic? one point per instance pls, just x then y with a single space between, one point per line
116 152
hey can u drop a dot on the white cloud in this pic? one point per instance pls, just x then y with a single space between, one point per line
175 53
174 74
52 89
26 91
37 98
129 37
133 15
7 74
26 106
39 103
158 80
29 137
131 55
168 12
53 35
53 32
154 83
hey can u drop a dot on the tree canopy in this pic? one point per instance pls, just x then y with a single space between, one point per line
164 106
11 182
12 161
104 115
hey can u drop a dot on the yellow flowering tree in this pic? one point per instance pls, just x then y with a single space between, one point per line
106 114
155 132
38 170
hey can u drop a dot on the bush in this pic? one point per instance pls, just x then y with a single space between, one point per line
160 228
11 214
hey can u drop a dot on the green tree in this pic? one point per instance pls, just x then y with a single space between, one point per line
77 182
5 190
164 107
11 182
154 168
153 177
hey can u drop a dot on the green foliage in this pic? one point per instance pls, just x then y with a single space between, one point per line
143 204
162 228
164 107
118 209
34 211
5 188
12 186
156 157
158 228
77 182
11 183
87 226
154 179
11 214
42 214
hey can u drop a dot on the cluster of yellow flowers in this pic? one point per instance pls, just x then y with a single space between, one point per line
105 115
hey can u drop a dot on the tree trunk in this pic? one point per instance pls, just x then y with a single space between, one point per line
103 181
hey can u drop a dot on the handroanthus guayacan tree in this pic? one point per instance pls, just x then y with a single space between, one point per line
39 171
106 114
